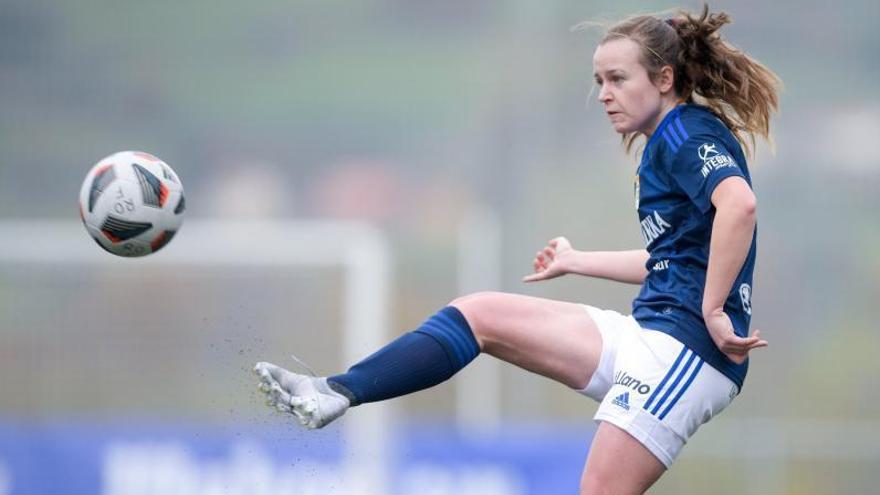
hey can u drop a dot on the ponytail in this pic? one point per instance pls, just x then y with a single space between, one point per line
741 91
738 89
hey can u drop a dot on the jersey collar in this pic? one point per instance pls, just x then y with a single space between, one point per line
666 120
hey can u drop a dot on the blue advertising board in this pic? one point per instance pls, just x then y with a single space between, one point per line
192 459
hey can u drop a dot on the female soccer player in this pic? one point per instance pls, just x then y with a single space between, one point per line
681 357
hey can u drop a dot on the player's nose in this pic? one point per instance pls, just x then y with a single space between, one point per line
604 95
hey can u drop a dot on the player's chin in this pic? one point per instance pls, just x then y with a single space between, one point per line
620 126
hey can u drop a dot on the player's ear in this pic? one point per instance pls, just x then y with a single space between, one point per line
665 79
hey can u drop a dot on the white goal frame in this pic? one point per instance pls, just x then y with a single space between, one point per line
358 248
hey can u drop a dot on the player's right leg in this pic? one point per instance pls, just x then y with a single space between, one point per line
618 464
556 339
310 399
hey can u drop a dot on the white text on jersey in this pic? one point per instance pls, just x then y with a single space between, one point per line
653 227
716 162
661 265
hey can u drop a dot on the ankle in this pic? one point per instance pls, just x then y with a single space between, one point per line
342 390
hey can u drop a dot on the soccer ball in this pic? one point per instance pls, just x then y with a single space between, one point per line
131 203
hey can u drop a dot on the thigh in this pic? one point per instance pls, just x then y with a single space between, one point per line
556 339
619 464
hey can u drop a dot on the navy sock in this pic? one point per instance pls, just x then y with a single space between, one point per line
414 361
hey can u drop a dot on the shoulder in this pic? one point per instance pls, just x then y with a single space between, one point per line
697 130
699 121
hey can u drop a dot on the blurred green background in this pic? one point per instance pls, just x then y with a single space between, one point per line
414 115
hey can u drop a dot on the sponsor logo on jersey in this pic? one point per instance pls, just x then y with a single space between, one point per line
707 150
653 226
628 381
745 295
621 400
713 159
661 265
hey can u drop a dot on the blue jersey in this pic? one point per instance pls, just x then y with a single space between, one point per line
688 155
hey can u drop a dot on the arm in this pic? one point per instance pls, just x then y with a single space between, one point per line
732 232
559 258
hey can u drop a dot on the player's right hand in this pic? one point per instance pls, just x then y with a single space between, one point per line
550 262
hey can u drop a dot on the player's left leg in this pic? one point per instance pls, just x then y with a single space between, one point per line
618 464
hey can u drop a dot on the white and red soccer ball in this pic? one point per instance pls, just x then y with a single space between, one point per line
132 203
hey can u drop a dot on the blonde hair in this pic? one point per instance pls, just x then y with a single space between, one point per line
708 71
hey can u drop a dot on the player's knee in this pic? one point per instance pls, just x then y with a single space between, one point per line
478 309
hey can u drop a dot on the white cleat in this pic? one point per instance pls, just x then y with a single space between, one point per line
309 398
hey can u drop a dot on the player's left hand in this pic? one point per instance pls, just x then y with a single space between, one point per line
733 346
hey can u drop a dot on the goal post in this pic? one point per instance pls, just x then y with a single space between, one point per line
359 249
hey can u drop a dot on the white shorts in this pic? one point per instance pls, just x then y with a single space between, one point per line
652 386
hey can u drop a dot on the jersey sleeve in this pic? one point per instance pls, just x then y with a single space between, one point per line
699 165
